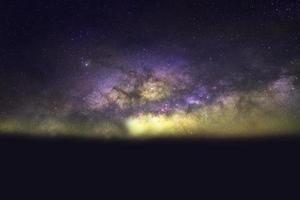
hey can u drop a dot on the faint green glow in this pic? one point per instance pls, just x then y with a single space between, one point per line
55 127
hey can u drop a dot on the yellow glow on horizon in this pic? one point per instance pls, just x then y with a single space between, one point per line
254 115
160 125
212 121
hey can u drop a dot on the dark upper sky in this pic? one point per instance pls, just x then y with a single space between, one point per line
27 22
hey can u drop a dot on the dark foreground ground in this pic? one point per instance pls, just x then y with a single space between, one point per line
155 162
180 147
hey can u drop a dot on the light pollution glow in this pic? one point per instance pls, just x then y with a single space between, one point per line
211 121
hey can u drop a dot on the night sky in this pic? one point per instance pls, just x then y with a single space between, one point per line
136 69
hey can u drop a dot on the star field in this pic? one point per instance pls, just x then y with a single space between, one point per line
139 69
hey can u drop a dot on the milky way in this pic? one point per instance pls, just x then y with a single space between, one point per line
158 94
213 80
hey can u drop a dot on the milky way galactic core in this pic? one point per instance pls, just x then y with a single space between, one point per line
161 96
